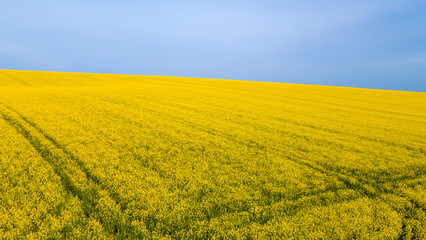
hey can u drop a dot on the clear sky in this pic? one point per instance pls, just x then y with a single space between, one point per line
358 43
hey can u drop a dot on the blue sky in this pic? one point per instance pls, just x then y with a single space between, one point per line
372 44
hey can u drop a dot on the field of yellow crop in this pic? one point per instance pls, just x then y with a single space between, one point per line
98 156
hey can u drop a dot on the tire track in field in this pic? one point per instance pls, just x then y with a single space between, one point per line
372 111
45 154
405 147
80 163
163 174
323 128
50 158
273 197
414 149
89 191
328 129
366 187
15 78
355 185
249 144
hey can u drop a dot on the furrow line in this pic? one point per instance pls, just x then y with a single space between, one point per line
97 202
316 128
364 187
45 154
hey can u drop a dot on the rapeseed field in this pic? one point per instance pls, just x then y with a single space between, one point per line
99 156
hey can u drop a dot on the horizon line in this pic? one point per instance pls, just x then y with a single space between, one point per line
225 79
